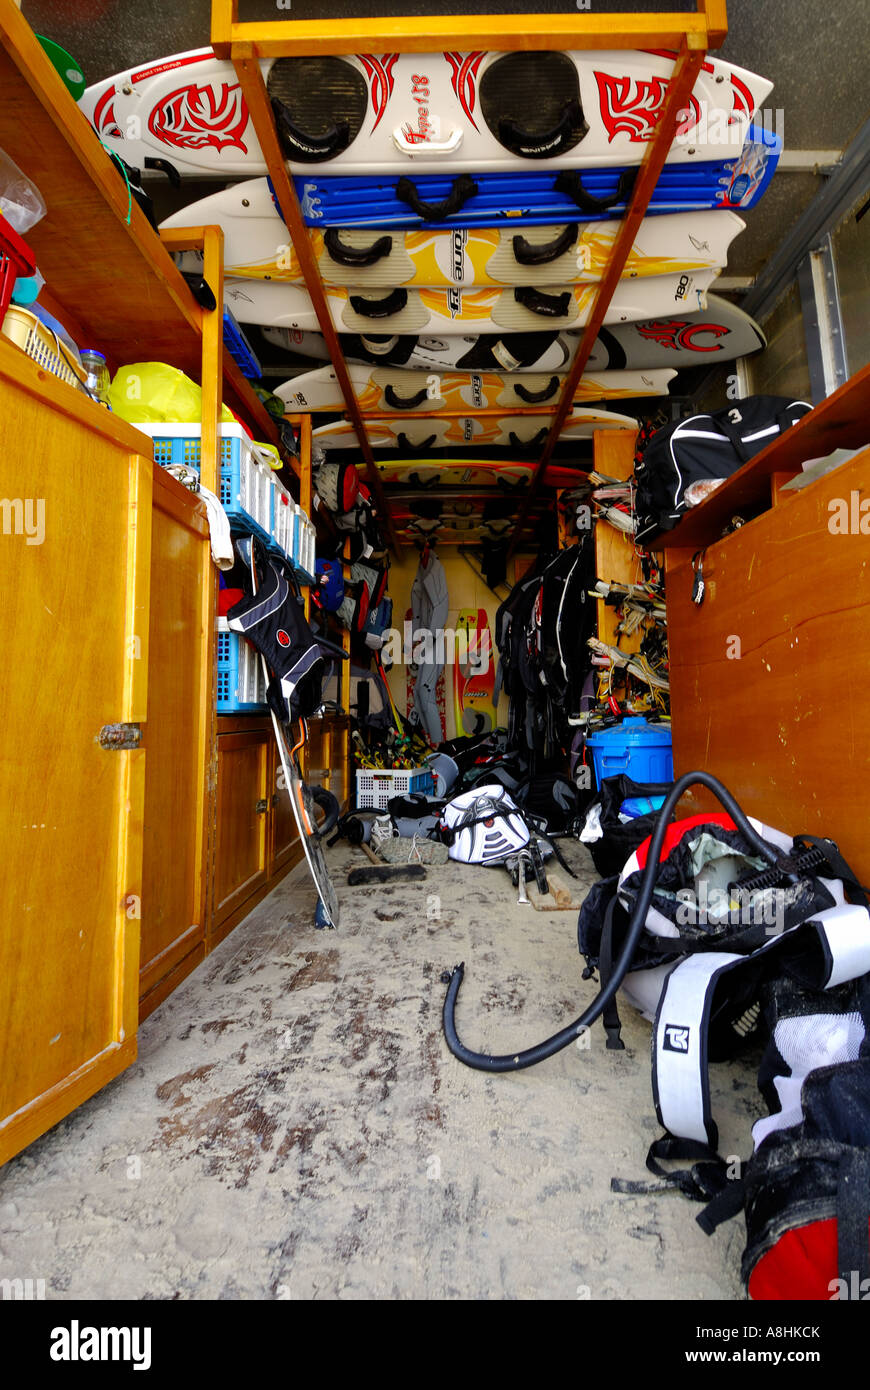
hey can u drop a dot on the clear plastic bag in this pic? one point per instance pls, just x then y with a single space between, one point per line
21 202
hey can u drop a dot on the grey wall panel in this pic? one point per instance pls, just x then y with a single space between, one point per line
852 254
782 369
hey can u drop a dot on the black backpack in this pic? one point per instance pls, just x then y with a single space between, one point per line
568 619
550 801
679 460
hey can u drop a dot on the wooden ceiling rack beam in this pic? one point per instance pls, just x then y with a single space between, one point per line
297 38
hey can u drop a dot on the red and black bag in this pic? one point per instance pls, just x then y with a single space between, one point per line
338 485
806 1188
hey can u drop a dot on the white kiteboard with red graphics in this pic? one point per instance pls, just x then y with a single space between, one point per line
720 333
381 113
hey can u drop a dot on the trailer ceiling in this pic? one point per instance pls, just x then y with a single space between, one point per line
815 57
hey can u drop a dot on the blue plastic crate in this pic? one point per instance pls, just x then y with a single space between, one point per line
246 492
283 518
241 685
239 348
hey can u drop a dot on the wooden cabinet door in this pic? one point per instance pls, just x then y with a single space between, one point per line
75 522
179 740
241 839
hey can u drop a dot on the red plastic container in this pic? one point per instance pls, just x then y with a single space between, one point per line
16 258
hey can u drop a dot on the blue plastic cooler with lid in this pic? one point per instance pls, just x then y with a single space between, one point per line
637 748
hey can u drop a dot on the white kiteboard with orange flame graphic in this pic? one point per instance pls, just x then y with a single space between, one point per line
257 246
378 113
483 431
453 311
393 388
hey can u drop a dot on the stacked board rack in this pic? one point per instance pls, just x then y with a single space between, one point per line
684 39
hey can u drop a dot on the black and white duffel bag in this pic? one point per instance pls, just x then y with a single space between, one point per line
684 462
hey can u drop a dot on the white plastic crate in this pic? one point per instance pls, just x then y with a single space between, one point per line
241 684
307 546
375 787
284 517
266 497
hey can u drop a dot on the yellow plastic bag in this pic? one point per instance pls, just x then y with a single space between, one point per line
266 454
154 393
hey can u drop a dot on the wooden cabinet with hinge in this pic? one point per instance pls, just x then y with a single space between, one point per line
180 738
75 542
254 836
284 844
241 820
108 786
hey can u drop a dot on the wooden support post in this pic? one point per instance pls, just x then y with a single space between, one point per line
566 530
686 70
715 13
212 380
212 360
777 480
613 453
615 560
224 15
211 241
326 748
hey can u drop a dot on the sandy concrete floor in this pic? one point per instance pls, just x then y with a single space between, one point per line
295 1128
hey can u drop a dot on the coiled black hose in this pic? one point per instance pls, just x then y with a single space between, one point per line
532 1055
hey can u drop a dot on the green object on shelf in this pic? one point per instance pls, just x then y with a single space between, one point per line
66 67
273 403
